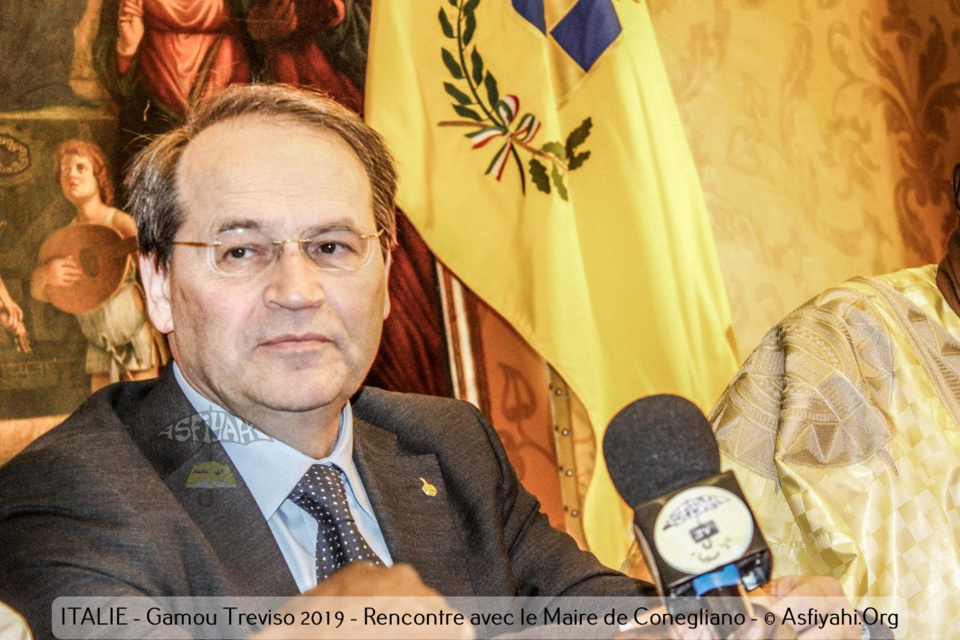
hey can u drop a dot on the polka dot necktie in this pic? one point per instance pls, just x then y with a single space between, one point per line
321 494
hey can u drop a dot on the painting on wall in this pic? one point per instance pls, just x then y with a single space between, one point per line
86 86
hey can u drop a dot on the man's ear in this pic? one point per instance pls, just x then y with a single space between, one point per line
156 284
386 284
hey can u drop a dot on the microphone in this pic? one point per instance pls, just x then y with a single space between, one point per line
697 533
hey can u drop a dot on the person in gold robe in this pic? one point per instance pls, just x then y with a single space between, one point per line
843 427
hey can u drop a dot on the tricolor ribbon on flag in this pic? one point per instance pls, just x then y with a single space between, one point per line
528 126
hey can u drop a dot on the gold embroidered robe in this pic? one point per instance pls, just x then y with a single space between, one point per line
842 427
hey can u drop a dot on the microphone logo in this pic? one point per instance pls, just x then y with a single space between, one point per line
703 528
693 508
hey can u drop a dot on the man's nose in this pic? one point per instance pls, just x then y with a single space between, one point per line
294 281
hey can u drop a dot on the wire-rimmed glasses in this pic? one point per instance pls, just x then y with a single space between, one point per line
246 252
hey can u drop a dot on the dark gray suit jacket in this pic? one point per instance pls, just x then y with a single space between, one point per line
101 506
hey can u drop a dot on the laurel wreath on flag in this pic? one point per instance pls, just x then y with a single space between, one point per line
494 118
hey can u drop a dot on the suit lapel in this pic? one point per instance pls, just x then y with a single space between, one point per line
412 508
407 493
199 473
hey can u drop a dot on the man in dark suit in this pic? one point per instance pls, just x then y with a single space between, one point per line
256 465
265 228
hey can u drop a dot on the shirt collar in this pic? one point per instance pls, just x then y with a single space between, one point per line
271 468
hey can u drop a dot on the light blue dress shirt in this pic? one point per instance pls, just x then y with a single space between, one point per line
271 469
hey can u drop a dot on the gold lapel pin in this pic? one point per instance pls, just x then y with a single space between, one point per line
428 488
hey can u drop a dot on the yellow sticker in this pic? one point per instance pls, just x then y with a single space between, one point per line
211 475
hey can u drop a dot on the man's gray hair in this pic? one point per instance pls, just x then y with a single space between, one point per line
154 201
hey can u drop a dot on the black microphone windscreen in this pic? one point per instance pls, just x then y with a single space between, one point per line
658 444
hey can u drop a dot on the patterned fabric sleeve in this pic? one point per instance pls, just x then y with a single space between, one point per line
810 399
841 431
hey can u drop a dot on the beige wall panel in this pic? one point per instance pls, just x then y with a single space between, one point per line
823 132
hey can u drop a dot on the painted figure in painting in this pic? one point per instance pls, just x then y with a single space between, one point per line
11 318
291 32
156 57
87 268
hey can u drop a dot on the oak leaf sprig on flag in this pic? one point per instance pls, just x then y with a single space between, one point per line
477 98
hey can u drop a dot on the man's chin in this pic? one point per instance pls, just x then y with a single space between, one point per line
300 396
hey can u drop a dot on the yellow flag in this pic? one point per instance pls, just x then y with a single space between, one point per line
543 160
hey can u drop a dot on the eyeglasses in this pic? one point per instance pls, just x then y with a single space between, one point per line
247 252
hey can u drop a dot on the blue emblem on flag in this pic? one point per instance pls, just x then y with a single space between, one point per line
532 10
584 33
587 30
